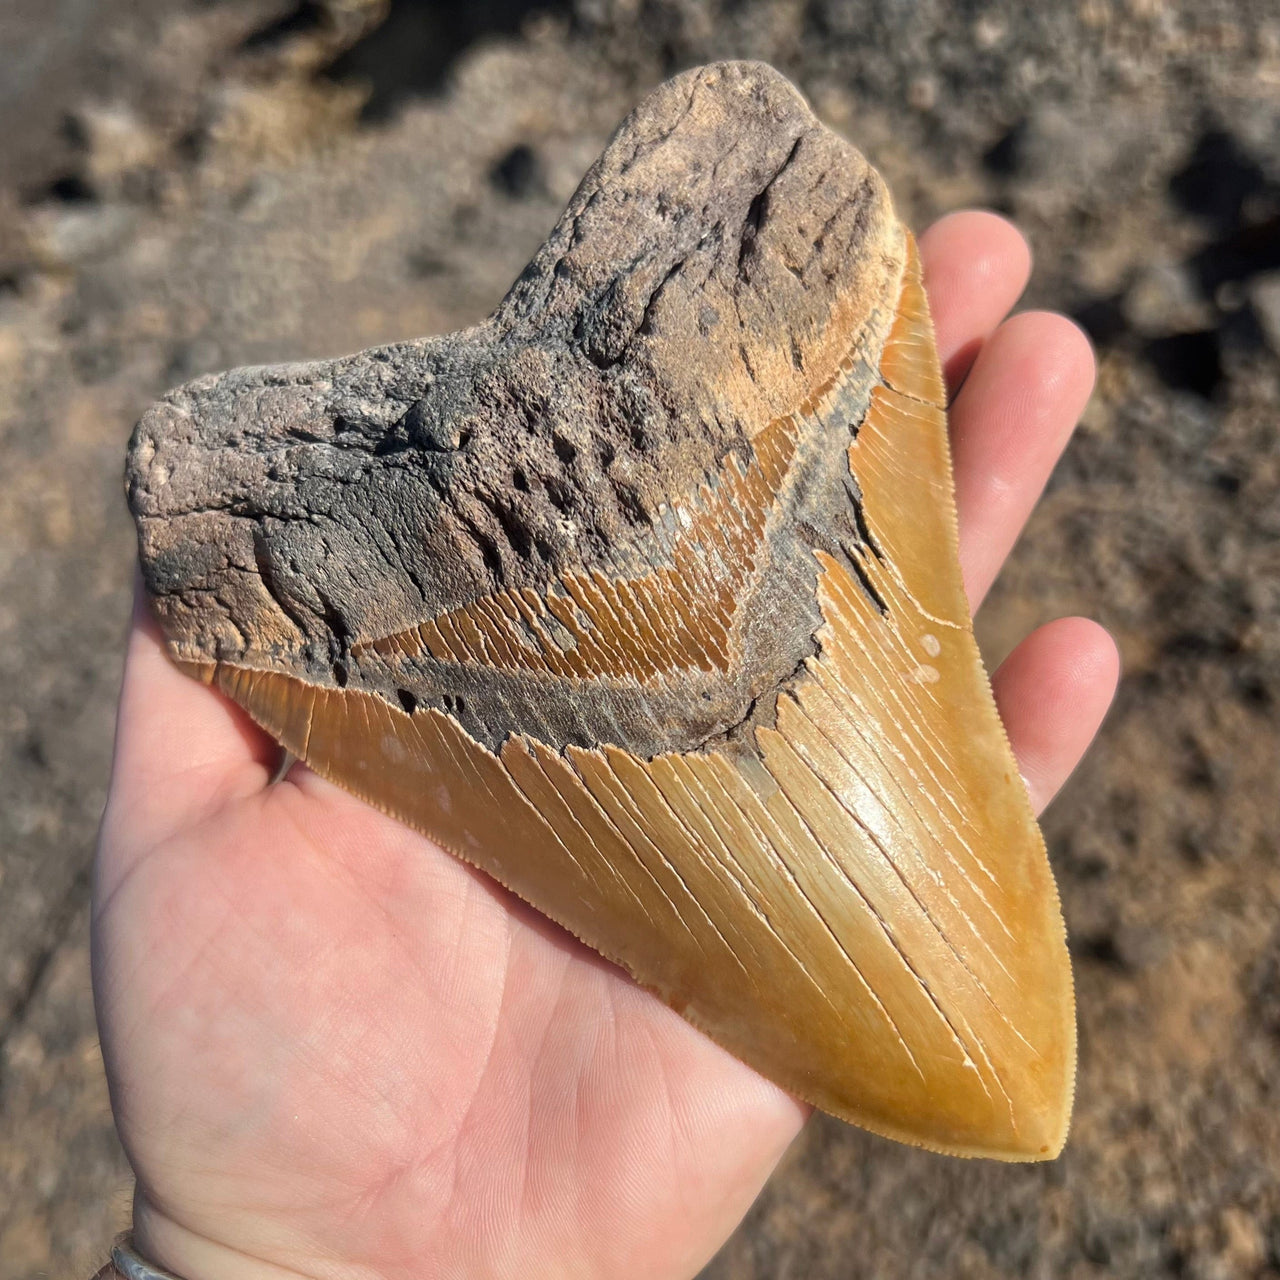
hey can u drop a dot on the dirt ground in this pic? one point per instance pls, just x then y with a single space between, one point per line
191 184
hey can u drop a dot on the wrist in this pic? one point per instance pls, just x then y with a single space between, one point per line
175 1252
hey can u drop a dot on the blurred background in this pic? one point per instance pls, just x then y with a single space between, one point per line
191 184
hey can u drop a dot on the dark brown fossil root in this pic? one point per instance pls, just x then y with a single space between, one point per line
643 596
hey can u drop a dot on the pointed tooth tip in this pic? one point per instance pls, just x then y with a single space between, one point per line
1040 1135
1032 1128
1042 1120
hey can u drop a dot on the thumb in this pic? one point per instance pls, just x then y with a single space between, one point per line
182 749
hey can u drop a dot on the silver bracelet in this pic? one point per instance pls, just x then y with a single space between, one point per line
133 1267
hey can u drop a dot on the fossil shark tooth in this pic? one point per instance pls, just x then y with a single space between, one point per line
643 596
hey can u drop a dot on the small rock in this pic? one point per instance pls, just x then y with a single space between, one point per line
24 1052
1264 294
922 93
118 141
989 30
1163 300
1243 1246
518 173
82 233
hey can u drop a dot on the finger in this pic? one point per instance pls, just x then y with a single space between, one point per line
1053 691
1009 424
976 266
181 747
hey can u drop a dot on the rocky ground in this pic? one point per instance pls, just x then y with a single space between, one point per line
191 184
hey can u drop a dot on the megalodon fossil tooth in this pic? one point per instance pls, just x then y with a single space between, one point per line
643 596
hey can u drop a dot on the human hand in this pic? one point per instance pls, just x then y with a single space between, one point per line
336 1051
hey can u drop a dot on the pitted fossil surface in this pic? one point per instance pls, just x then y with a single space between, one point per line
713 270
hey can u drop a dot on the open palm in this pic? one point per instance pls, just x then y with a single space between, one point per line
334 1050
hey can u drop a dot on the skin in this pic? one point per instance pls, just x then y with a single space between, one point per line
334 1050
